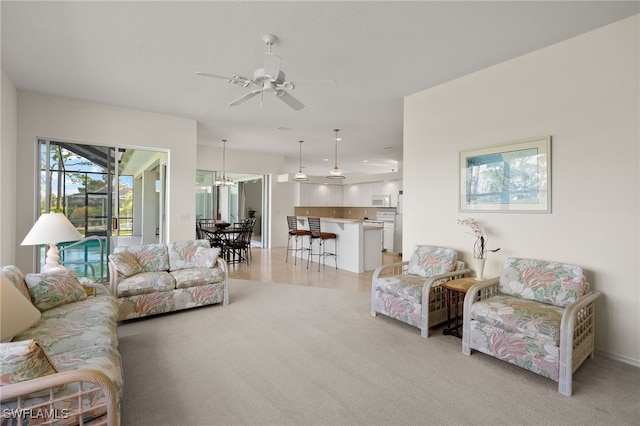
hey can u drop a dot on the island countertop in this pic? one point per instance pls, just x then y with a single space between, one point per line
357 251
334 219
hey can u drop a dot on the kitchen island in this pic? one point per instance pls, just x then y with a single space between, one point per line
357 247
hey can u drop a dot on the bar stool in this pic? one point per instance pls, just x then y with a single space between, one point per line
318 235
296 233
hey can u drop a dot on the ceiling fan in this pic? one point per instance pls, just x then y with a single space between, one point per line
270 78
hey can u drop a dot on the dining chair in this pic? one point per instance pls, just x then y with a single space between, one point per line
238 243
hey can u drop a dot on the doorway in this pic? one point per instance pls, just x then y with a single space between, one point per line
247 198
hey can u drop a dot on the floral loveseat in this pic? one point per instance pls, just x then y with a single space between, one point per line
66 368
150 279
538 315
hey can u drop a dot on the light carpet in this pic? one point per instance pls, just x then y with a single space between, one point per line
283 354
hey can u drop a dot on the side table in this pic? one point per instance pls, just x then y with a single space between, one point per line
87 284
455 288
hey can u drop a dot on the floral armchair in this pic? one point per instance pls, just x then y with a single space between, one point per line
410 291
537 315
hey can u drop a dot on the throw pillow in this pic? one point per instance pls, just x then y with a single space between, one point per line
182 253
427 261
206 257
23 360
126 263
51 289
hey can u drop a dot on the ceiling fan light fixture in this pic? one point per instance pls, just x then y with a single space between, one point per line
268 86
300 176
269 78
336 173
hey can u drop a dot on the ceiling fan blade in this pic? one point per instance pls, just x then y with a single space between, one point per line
316 82
289 100
234 79
272 64
245 97
213 75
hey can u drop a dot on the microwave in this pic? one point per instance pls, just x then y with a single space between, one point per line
380 200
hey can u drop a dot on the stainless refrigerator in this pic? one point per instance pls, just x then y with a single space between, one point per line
397 232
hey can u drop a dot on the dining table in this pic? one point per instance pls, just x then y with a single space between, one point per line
221 237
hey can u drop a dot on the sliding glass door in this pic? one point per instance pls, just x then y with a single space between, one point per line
112 195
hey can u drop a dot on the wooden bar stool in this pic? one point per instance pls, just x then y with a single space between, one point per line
321 237
297 234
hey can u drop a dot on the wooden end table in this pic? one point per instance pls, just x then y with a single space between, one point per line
455 288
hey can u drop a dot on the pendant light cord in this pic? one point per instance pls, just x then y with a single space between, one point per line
300 169
336 154
224 156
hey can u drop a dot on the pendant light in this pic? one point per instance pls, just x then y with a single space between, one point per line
336 173
300 176
224 181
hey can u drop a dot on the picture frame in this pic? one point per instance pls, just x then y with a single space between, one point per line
508 178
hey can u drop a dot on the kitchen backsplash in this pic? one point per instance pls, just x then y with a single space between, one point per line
342 212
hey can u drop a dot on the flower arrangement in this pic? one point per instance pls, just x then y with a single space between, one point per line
480 249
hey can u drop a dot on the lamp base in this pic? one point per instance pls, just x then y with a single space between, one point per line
53 259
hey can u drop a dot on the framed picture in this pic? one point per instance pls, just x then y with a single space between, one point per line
515 177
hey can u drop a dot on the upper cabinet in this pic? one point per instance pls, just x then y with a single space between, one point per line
356 195
318 195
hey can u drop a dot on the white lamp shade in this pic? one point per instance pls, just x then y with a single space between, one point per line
17 313
336 173
300 176
51 228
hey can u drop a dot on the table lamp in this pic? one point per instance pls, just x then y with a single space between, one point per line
52 228
16 313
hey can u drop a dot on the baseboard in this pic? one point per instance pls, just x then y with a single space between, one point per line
618 357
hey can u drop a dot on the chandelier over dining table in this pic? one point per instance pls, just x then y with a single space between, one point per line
223 180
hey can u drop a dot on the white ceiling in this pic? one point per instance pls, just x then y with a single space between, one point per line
144 55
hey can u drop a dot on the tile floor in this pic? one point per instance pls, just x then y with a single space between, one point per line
269 265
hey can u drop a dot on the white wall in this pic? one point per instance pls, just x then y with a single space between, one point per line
584 93
53 117
281 194
8 147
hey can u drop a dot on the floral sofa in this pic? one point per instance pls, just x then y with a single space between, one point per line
538 315
150 279
65 368
411 291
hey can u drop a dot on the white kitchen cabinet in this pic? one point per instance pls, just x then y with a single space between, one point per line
364 199
318 195
335 195
305 195
356 195
388 232
348 195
